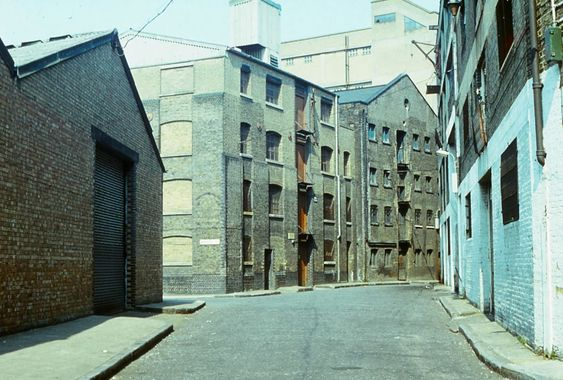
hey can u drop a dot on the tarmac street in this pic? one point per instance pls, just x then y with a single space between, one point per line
376 332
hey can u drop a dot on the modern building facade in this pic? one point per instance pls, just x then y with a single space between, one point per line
500 125
370 56
395 162
80 184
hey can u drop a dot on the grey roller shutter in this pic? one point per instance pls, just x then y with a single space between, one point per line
109 223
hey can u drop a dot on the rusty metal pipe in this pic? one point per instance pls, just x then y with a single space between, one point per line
536 83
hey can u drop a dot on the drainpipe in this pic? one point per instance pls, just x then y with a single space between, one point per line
338 191
536 83
363 193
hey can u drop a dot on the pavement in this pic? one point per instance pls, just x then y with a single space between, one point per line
93 347
495 346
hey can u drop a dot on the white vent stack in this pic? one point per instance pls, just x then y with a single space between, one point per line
255 28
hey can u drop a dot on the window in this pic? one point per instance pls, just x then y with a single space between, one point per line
468 216
289 62
386 178
244 79
388 258
429 218
410 25
373 214
366 50
326 110
387 17
385 135
428 184
427 145
417 217
247 249
352 52
373 176
244 138
308 58
328 207
273 88
328 250
505 33
371 132
415 143
417 183
401 193
346 164
465 117
387 216
275 200
246 196
272 146
348 210
326 159
373 258
509 184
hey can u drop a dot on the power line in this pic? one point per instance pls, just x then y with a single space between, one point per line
148 22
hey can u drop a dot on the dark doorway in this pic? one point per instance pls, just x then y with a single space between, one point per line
402 264
489 268
267 268
303 264
109 234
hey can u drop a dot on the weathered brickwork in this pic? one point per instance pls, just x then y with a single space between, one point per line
46 187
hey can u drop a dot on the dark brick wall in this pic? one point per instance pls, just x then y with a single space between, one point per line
46 187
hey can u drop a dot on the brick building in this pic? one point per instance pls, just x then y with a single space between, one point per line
395 162
80 184
501 219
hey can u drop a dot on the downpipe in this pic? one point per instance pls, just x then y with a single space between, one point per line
536 83
338 189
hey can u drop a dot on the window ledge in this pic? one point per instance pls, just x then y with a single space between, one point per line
177 213
386 143
327 174
274 106
274 162
416 149
418 190
330 262
374 224
347 177
372 140
327 124
388 225
247 213
430 227
348 223
387 186
247 97
329 221
373 184
246 155
275 216
418 226
248 263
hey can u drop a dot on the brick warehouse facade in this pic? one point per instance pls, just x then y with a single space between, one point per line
502 207
239 212
395 156
63 105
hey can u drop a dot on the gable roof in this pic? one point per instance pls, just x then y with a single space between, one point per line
367 95
32 57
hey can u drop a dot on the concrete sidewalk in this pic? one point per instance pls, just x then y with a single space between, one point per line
496 347
94 347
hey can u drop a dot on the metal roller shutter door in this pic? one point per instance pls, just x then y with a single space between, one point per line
109 222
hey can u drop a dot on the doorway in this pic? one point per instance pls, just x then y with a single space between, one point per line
267 268
402 264
303 264
489 262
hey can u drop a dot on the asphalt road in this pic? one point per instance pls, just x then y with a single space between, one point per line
383 332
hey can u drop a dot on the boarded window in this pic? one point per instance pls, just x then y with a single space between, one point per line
272 146
177 197
275 199
176 139
177 250
177 80
468 215
247 249
509 184
328 250
328 202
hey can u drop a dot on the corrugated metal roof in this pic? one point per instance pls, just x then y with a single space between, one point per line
36 50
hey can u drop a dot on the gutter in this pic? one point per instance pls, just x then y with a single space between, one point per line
536 84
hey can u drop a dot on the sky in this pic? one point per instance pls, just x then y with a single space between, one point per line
202 20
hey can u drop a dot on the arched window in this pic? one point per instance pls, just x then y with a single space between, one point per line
244 138
326 159
328 207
